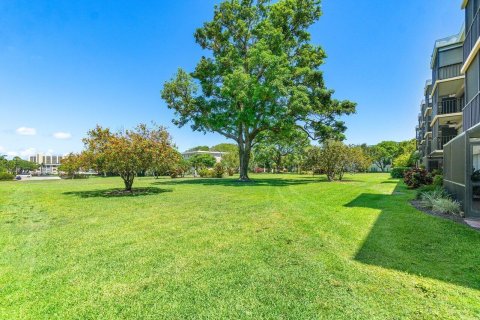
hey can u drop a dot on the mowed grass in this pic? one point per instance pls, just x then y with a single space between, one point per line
283 247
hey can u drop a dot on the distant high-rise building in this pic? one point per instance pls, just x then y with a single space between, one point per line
48 163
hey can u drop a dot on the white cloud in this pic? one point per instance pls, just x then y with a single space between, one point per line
28 152
24 131
12 154
2 149
62 135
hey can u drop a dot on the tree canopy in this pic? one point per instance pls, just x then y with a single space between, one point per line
129 152
199 148
384 152
274 149
262 73
199 161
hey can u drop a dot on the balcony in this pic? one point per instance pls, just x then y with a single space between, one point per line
450 106
441 141
428 148
447 72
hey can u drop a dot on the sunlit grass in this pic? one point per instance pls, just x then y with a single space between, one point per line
284 246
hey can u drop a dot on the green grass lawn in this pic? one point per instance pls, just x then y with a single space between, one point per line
286 246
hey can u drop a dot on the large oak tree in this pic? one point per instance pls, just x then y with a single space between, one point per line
262 73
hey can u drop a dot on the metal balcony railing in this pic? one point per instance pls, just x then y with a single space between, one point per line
441 141
450 106
447 72
428 148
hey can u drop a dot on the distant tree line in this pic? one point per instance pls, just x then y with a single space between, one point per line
10 168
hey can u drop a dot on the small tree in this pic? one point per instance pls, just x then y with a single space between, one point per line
128 153
359 160
180 168
18 165
332 158
71 164
218 170
272 147
231 162
313 159
407 154
201 161
383 153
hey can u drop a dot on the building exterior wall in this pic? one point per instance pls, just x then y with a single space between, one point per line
216 154
48 163
454 157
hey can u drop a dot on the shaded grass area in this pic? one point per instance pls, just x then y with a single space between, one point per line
283 246
117 192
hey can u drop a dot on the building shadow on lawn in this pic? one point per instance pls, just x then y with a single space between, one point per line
257 182
406 240
117 192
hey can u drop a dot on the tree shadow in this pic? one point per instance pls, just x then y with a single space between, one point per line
117 192
410 241
257 182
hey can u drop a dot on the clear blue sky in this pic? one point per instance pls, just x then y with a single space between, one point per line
67 65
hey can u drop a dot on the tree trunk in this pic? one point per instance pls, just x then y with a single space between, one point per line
128 181
244 153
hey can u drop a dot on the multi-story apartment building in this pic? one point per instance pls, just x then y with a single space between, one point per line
424 129
462 154
48 164
440 117
456 111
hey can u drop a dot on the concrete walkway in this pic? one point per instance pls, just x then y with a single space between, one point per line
473 223
40 178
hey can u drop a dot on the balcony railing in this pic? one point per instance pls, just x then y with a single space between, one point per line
447 72
441 141
428 148
471 37
450 106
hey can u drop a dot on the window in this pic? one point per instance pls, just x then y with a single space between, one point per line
472 80
449 57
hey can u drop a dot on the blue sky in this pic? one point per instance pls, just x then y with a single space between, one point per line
67 65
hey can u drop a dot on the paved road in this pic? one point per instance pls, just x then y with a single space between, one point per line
40 178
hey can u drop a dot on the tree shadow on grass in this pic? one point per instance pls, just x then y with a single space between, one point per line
257 182
117 192
410 241
390 181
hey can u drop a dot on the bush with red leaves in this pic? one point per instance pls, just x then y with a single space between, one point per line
417 177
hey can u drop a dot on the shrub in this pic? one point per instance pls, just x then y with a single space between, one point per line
417 177
438 180
204 173
5 176
423 189
218 170
397 172
430 196
440 201
445 205
230 171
